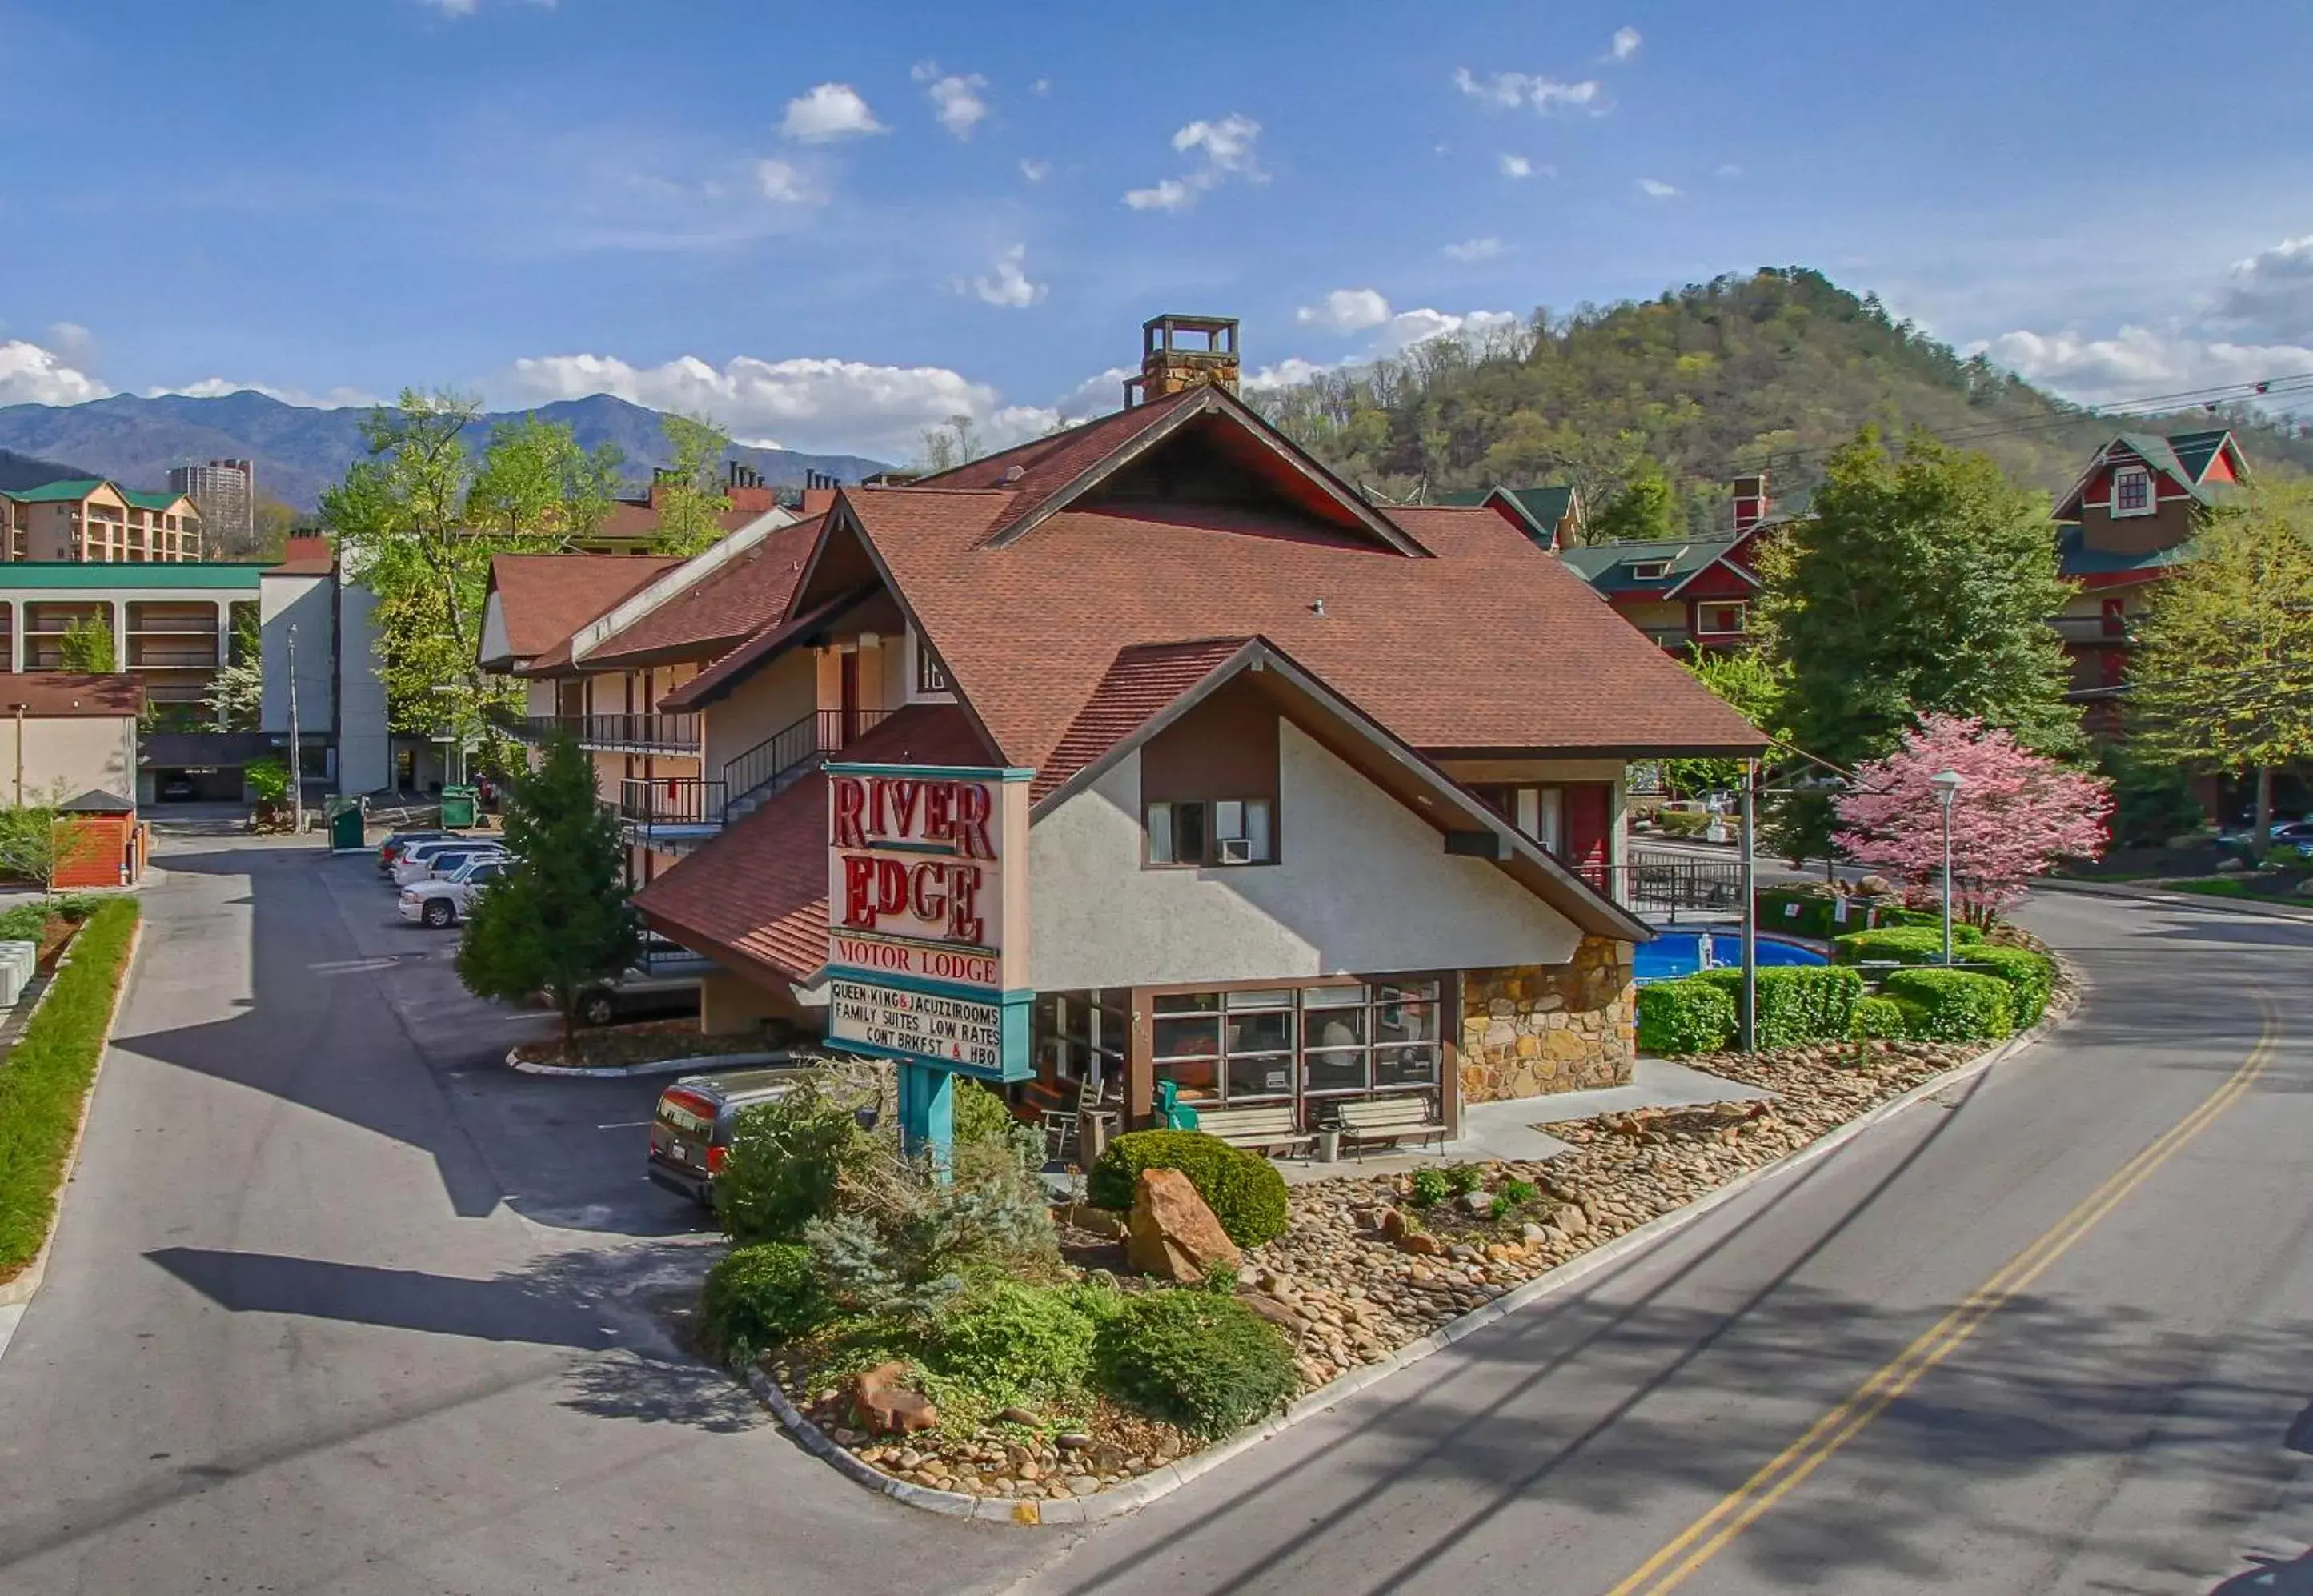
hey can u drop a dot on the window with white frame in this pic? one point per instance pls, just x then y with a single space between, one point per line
2131 491
1211 831
1717 620
931 676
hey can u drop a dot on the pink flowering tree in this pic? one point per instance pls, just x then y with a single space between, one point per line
2017 813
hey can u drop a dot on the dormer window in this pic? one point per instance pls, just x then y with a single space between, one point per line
931 676
2131 491
1649 570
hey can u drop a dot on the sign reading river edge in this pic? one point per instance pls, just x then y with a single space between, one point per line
927 923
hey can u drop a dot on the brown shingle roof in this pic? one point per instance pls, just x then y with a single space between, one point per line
1486 644
718 610
757 894
1141 683
66 694
1048 464
638 520
546 598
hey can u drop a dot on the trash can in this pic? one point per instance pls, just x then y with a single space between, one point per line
459 806
1328 1144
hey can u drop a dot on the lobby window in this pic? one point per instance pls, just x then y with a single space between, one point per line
2131 491
1080 1036
1284 1044
1215 831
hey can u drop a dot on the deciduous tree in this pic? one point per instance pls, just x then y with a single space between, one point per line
558 920
2016 814
86 646
689 491
1754 685
2222 676
1647 506
534 482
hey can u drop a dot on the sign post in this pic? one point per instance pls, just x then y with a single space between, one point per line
927 930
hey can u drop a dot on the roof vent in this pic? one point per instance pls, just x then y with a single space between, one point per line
1319 607
1013 473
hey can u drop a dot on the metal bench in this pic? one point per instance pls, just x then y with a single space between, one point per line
1390 1119
1254 1127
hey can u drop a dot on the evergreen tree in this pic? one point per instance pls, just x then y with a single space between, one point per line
1919 586
1647 506
2223 679
558 920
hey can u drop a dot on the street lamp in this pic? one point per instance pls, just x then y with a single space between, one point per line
1947 784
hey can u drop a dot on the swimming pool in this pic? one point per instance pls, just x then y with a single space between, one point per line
1673 954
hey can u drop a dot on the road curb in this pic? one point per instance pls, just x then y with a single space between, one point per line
17 1293
672 1066
1163 1482
2172 899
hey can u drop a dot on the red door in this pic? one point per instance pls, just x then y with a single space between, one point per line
1587 819
847 678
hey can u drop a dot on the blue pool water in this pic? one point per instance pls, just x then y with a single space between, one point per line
1680 953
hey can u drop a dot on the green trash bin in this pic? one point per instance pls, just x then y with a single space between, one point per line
346 829
460 806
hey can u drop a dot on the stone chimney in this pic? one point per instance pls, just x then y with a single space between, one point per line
1750 501
1179 352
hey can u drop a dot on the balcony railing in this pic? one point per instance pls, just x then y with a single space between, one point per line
609 734
2092 629
1668 884
787 753
670 800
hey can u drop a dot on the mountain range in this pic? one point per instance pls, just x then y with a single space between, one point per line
299 449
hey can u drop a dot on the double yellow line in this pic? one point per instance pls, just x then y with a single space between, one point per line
1782 1474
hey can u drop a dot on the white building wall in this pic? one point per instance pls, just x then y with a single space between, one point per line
768 701
1364 886
364 750
302 602
66 756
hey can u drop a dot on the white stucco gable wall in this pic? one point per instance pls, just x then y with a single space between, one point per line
1364 886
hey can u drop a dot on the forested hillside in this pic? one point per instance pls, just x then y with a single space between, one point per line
1771 371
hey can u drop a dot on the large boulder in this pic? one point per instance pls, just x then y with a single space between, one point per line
881 1406
1173 1235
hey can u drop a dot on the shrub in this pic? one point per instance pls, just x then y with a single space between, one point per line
1207 1363
787 1156
1430 1188
1952 1005
1461 1180
2030 976
1520 1192
1682 822
1686 1016
981 1115
1903 944
1012 1343
1818 910
1879 1018
46 1076
1797 1003
905 1242
1244 1191
760 1297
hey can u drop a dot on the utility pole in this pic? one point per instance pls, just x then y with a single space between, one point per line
1746 1009
296 756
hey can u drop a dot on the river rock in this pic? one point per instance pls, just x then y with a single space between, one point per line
1173 1235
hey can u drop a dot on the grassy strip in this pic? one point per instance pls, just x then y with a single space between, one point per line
2226 886
46 1079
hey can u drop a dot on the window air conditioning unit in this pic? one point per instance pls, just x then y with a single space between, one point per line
1236 850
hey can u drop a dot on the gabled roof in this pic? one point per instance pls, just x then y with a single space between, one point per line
756 896
1540 511
1144 681
2184 459
543 598
1611 568
2075 558
68 490
145 499
97 801
747 592
71 695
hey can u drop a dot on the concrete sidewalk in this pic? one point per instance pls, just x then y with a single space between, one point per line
1506 1130
2146 893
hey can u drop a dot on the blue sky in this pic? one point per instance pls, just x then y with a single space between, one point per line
833 225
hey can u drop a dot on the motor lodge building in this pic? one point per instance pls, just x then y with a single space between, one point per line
1324 797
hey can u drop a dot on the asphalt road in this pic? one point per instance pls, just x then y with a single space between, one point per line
341 1305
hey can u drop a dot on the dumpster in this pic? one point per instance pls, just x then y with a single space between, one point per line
460 806
346 829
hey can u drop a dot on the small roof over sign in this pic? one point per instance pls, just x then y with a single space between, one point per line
97 801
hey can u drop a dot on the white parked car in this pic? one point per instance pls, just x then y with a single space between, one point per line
428 859
443 901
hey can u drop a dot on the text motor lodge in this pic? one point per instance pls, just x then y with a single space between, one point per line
916 861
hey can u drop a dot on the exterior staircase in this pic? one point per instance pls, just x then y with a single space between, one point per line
753 777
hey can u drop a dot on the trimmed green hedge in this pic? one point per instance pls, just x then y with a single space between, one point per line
1952 1005
1797 1003
44 1080
1690 1015
2031 977
1244 1190
1903 944
1879 1019
1815 917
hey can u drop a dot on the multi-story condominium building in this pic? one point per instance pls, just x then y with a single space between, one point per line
1321 800
225 493
90 521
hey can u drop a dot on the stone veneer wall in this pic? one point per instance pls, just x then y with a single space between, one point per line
1536 1028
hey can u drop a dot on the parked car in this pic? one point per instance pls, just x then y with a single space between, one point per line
421 863
442 901
691 1132
2288 837
389 851
638 993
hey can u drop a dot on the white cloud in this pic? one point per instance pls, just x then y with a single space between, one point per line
1096 395
1345 310
1508 90
783 183
830 111
1517 166
2270 293
1393 336
32 374
1625 44
1042 85
453 8
1654 187
810 403
1731 169
1036 171
1010 286
330 398
1226 148
1475 249
956 98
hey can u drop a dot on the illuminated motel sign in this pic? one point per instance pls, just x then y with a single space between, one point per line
927 916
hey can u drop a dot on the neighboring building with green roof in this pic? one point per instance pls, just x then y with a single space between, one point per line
1552 515
91 521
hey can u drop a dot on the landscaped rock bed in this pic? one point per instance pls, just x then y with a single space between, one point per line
1369 1264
